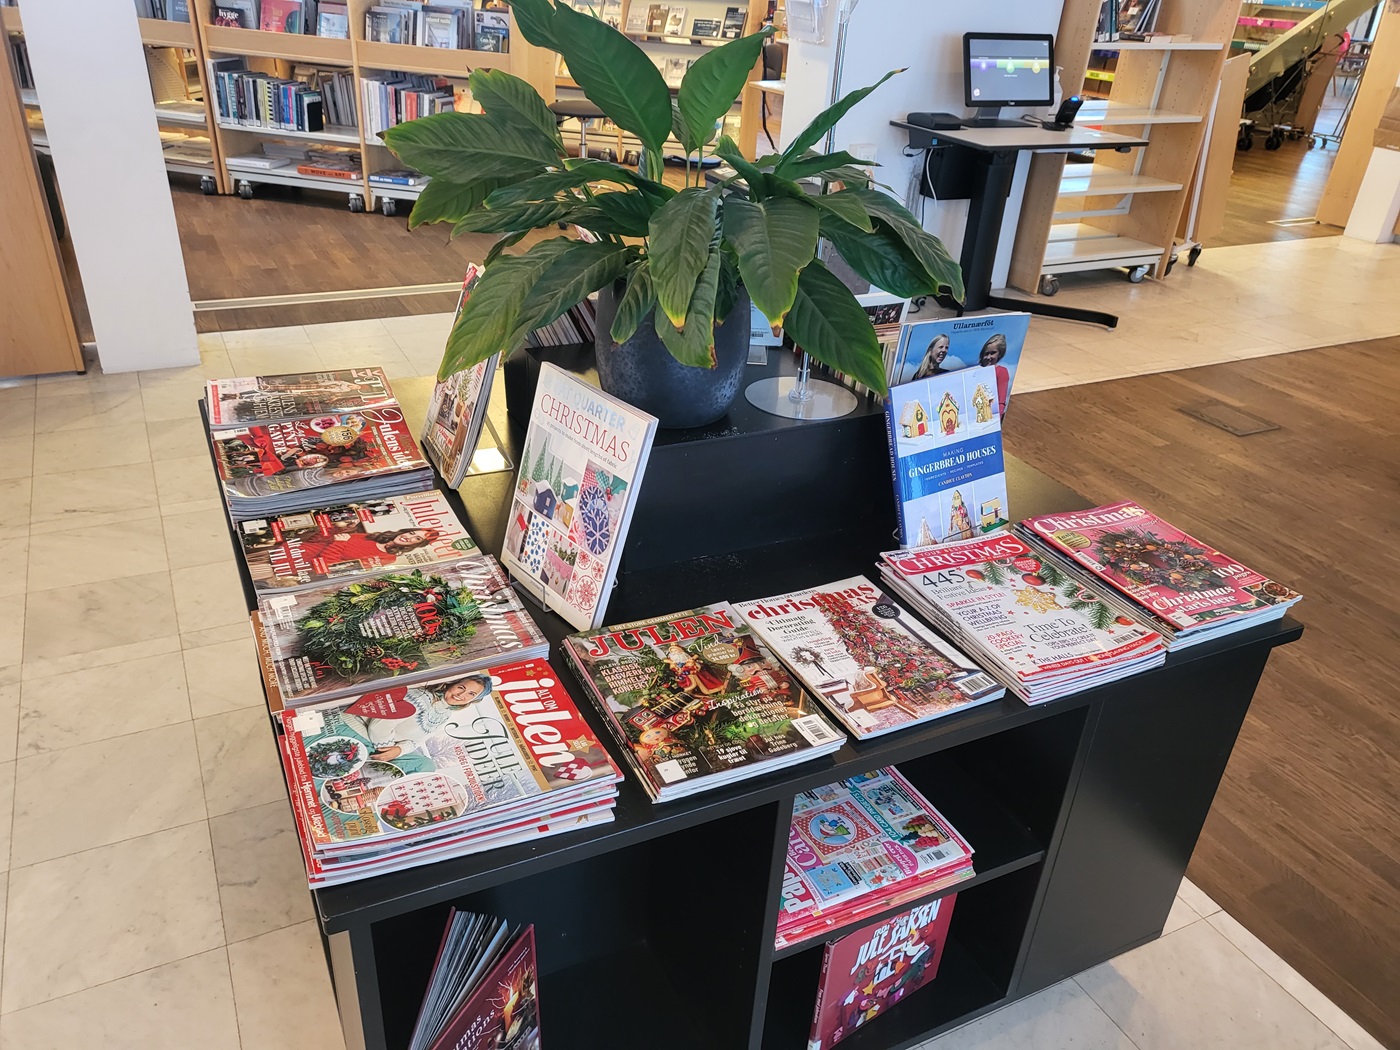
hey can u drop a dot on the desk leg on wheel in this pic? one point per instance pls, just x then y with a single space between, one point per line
984 215
1066 313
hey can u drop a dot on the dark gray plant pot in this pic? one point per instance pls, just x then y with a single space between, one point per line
643 373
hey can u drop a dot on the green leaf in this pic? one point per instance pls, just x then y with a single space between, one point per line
880 257
470 147
826 120
695 343
681 232
941 267
774 240
728 291
509 100
727 150
527 215
816 164
579 270
535 19
624 214
444 201
551 183
636 301
500 246
845 206
615 74
711 85
828 322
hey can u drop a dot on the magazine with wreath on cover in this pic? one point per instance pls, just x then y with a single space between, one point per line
306 547
267 399
697 700
336 639
873 664
584 456
457 408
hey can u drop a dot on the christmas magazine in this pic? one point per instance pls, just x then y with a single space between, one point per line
874 665
265 399
584 456
484 992
306 547
949 344
867 973
457 408
333 640
1183 586
697 701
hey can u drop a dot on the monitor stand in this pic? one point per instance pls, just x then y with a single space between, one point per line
993 120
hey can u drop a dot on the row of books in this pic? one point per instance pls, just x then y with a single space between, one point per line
579 324
393 98
669 20
322 161
274 16
165 10
454 25
254 99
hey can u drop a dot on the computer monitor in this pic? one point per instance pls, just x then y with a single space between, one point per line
1008 69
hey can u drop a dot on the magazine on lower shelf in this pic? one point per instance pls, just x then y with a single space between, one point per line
697 701
457 408
392 628
484 990
873 664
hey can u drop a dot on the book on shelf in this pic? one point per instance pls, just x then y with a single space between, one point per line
637 18
1165 578
483 993
271 399
410 773
873 664
1024 620
656 17
866 973
311 546
342 637
1106 29
333 21
584 456
930 348
734 19
338 169
457 407
675 21
1137 19
697 701
394 98
280 16
177 11
945 449
706 27
255 162
399 177
236 14
492 32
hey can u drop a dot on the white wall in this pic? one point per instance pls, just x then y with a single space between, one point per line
90 73
926 37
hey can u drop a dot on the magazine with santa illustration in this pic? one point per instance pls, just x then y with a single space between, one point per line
697 700
306 547
873 664
338 639
867 973
267 399
584 456
949 344
457 408
945 448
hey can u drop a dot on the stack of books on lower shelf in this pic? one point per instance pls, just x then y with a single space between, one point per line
1022 618
861 847
1155 573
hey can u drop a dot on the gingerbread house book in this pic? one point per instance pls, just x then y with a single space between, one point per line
266 399
584 456
873 664
457 408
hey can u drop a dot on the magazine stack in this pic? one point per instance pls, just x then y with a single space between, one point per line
1150 570
445 767
1020 616
336 436
860 847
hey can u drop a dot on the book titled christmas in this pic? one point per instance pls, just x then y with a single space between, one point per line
457 408
945 444
1166 573
867 973
875 666
336 639
263 399
697 700
306 547
584 456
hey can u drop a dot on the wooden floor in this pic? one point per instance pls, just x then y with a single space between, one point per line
1303 843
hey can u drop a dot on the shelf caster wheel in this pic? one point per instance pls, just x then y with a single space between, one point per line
1274 141
1193 255
357 203
1137 273
245 189
207 185
1245 142
1049 284
389 206
1171 263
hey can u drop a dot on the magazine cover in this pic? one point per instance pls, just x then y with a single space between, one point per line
1165 571
867 973
867 834
945 444
264 399
287 551
584 456
457 408
930 348
801 918
327 640
695 695
875 666
503 1012
440 752
314 451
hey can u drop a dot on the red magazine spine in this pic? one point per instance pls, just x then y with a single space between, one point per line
814 1038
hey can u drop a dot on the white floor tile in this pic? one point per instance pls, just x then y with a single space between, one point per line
283 992
262 883
1196 898
1061 1016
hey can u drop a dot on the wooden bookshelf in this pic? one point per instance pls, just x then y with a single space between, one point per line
157 32
293 47
10 20
433 61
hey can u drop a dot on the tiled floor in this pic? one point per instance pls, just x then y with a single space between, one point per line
160 904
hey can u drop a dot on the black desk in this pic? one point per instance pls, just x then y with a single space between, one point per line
995 150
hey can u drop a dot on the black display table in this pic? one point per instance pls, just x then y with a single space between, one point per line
657 930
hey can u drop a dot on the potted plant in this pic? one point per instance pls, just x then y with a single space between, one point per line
674 268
